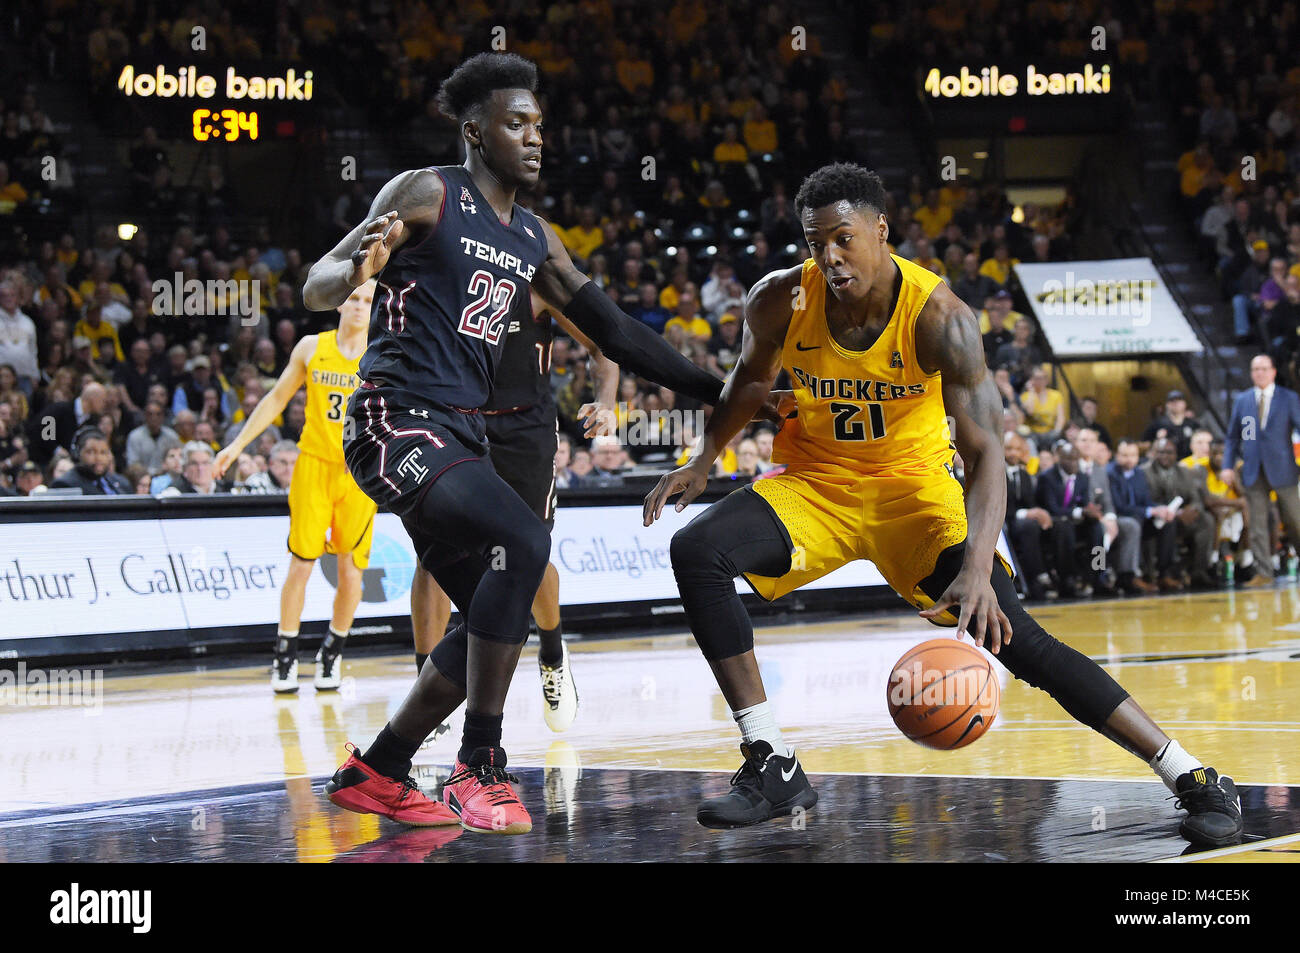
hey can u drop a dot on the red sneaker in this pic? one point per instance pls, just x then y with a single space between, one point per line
481 794
360 788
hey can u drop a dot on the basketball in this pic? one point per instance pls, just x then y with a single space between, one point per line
943 694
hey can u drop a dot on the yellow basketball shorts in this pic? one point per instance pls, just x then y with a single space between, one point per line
835 516
328 512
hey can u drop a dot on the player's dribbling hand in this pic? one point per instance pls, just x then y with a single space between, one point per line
974 593
225 457
598 420
687 480
779 405
376 245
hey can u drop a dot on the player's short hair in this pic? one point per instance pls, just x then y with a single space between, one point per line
838 182
472 82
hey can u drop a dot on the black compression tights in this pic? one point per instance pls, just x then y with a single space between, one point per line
741 533
470 509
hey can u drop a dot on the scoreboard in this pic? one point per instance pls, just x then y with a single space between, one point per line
225 103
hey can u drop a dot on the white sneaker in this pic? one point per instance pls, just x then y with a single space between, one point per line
329 671
559 694
561 774
284 674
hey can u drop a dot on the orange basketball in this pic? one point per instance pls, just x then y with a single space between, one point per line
943 694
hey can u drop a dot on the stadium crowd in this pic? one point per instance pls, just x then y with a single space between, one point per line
102 391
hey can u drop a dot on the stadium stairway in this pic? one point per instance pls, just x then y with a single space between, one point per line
1159 228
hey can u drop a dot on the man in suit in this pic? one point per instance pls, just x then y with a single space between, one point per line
54 426
1132 496
1063 491
1026 520
91 474
1259 433
1168 481
1122 534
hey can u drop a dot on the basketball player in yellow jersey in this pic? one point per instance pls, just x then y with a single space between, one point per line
328 512
888 371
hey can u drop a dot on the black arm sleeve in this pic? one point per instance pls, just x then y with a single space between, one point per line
630 344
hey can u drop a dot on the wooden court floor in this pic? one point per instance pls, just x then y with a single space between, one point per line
208 764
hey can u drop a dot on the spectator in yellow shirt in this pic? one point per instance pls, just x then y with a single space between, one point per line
934 216
999 266
1044 409
688 317
760 131
585 237
730 149
1196 170
93 327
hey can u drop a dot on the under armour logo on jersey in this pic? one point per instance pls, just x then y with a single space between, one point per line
420 413
410 465
467 201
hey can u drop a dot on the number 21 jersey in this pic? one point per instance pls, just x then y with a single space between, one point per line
443 305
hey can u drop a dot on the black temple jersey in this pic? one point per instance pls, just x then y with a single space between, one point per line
524 372
444 306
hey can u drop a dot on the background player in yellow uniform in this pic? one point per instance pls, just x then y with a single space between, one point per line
327 510
888 371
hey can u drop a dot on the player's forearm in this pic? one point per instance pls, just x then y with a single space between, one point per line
632 345
263 415
742 396
986 505
604 377
329 283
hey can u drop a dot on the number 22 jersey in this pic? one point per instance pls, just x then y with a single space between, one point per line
444 304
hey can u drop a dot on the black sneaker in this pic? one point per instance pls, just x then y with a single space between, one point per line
766 786
1213 808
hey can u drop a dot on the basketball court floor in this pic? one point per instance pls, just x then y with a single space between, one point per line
192 764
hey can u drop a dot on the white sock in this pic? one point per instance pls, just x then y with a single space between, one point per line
1171 762
757 723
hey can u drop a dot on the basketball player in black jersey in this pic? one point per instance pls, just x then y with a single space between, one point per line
522 437
454 258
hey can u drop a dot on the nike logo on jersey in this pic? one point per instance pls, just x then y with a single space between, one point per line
799 347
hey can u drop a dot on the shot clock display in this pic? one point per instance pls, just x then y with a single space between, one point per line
171 90
228 125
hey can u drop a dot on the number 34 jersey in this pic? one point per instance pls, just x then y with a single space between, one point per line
444 305
873 412
331 379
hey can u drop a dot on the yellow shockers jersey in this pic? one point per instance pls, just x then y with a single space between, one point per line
869 458
331 379
874 411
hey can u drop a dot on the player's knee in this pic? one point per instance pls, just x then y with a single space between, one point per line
694 555
451 655
526 551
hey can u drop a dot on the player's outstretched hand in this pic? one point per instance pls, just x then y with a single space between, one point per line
686 480
779 405
973 592
225 457
598 420
376 245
